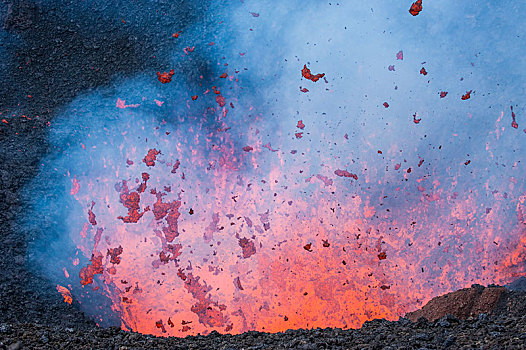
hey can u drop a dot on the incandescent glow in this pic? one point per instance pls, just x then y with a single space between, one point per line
240 203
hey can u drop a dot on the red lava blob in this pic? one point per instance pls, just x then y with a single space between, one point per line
223 76
194 97
247 148
416 7
237 283
220 100
467 95
150 158
400 55
159 324
91 215
386 105
300 125
513 122
305 72
423 71
93 268
304 90
66 294
170 212
345 173
175 166
443 94
131 202
165 77
114 253
248 247
415 120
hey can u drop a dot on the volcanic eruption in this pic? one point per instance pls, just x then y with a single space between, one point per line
175 204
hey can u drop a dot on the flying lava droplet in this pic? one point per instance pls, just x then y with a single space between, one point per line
306 73
165 77
416 7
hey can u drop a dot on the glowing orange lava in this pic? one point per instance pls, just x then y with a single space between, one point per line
191 236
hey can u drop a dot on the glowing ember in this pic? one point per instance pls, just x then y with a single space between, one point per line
467 95
416 7
65 293
513 121
305 72
165 77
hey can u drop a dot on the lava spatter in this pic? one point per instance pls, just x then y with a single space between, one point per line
91 216
165 78
170 212
93 268
248 247
416 8
114 253
175 166
210 313
467 95
513 121
220 100
151 157
130 200
306 73
345 173
66 294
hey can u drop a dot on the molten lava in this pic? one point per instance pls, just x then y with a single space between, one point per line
189 240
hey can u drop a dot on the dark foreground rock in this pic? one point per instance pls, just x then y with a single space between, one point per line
461 304
503 328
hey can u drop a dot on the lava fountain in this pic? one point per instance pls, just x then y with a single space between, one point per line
316 178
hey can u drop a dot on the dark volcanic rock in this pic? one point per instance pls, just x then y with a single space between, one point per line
462 303
503 328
